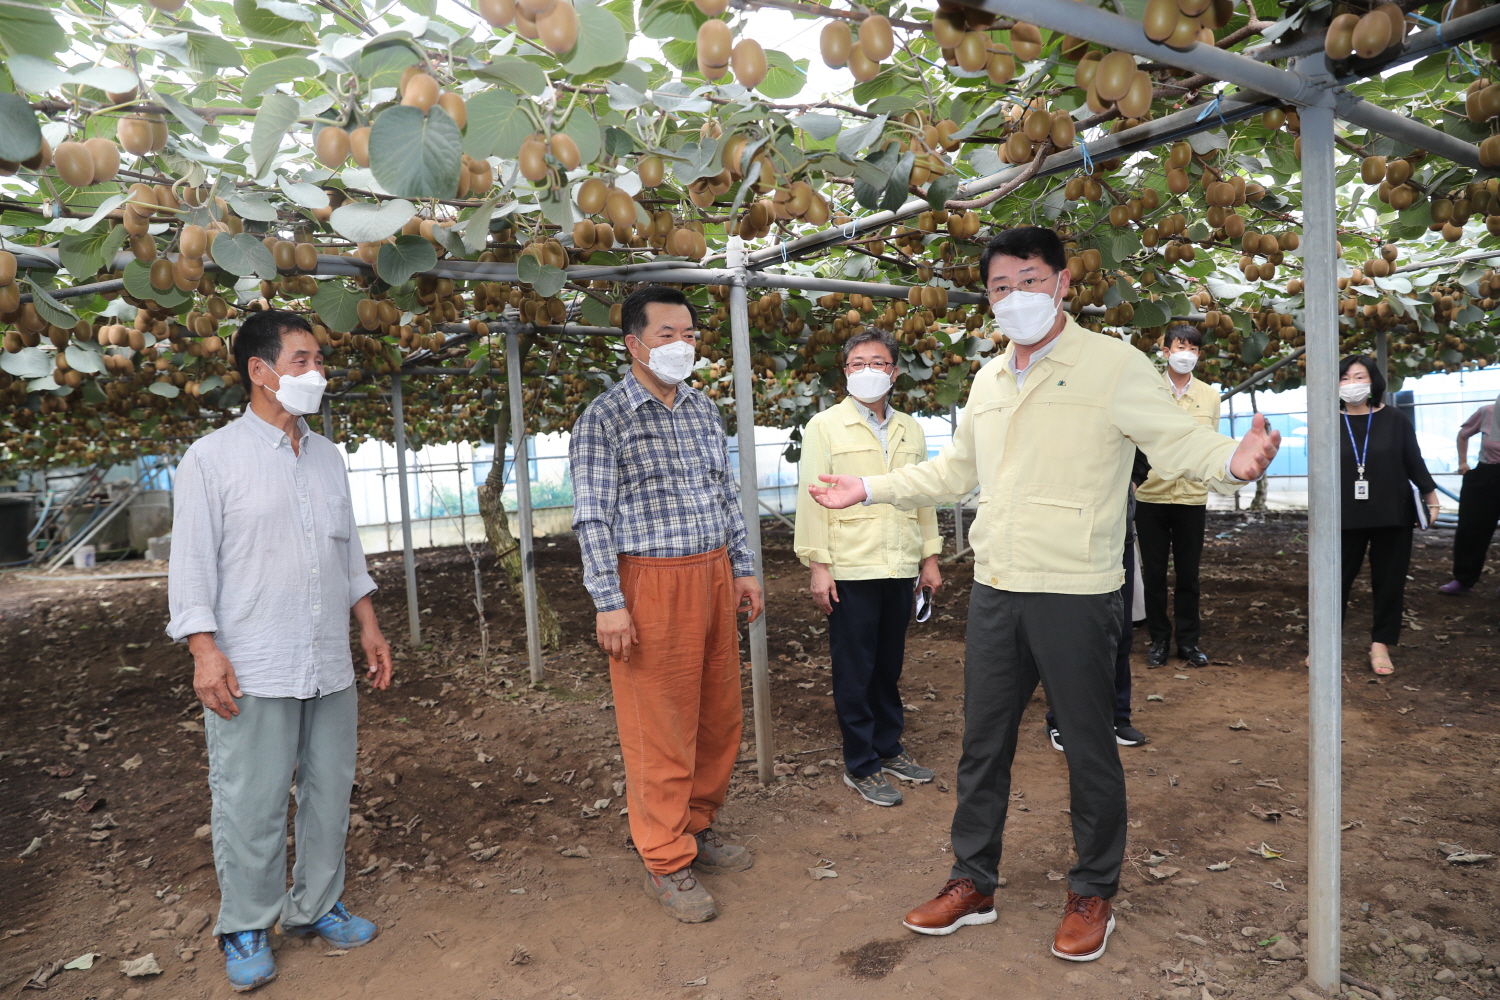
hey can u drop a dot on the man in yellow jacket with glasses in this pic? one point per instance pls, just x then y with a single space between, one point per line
1048 434
868 564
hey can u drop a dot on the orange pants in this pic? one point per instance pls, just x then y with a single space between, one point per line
677 701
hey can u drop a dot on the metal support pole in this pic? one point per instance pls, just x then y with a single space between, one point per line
1383 353
744 419
327 418
1325 724
413 613
521 467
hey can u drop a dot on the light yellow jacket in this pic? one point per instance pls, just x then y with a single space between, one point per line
1200 402
862 542
1053 461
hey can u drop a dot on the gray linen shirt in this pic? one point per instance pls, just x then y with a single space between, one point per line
266 556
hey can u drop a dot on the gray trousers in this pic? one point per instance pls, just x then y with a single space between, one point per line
252 761
1068 642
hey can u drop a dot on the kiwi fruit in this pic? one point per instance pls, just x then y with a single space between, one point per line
1181 155
862 66
876 39
359 145
749 62
1001 68
972 52
534 9
1062 130
193 242
565 150
332 146
533 159
1397 18
161 274
1185 35
1372 35
106 157
1397 172
835 43
714 46
1026 41
948 28
620 208
559 27
421 92
135 135
1160 19
7 267
1112 81
499 13
592 194
1018 148
74 164
457 110
713 8
1088 68
1137 100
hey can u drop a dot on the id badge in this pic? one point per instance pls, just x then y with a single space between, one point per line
1361 489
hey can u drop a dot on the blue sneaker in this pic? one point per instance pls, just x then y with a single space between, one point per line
339 928
247 959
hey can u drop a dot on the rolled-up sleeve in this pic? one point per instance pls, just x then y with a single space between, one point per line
197 529
596 492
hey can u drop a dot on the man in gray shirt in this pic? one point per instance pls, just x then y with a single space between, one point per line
266 564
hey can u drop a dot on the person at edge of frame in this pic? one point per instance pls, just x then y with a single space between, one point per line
266 566
1478 499
868 565
1380 469
1126 735
1048 434
1170 517
667 563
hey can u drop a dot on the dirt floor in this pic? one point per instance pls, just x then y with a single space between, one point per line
488 844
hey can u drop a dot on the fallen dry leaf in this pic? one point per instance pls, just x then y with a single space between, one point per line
130 764
1266 814
700 981
146 965
1222 866
1241 724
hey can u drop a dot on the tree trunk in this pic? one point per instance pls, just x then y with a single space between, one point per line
505 546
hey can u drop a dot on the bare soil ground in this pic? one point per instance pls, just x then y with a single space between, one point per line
487 842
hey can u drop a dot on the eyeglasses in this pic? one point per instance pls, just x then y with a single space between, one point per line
859 366
1026 285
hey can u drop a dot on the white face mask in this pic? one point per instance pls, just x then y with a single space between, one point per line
1182 362
672 362
1026 317
301 394
1354 392
870 385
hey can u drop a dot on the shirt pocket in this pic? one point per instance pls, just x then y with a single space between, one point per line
338 516
855 534
1052 529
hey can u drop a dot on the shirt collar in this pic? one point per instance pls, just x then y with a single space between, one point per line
637 395
868 414
1064 348
273 436
1173 385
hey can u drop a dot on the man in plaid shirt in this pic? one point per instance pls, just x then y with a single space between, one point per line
658 519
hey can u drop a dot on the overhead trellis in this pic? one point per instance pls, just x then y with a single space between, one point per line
410 180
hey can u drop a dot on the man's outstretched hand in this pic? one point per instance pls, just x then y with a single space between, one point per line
1251 459
842 491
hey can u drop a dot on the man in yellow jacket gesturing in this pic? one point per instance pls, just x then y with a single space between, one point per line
865 564
1049 436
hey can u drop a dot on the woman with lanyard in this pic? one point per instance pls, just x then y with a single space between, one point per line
1380 463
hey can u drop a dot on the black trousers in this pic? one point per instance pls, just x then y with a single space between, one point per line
867 646
1067 641
1390 557
1175 530
1122 650
1478 513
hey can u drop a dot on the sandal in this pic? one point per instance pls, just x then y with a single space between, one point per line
1382 665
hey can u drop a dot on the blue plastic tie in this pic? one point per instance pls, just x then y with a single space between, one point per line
1458 48
783 251
850 230
1212 108
1088 159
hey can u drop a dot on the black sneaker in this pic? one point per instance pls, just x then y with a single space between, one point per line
1156 656
1054 737
1128 736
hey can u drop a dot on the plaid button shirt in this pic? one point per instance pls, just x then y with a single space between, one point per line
651 481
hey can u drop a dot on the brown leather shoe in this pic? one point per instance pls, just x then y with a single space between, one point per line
1086 925
958 905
